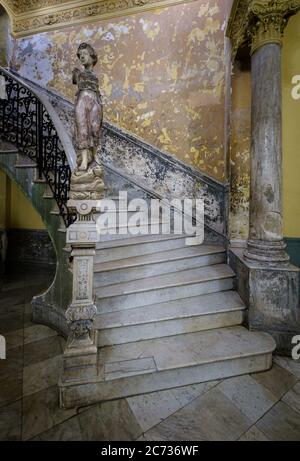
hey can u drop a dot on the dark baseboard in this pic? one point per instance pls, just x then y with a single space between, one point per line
293 250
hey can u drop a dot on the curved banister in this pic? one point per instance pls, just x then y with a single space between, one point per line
28 120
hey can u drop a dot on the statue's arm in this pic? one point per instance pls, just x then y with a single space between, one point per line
75 75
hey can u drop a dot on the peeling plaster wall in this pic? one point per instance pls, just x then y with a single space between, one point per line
162 74
6 40
240 151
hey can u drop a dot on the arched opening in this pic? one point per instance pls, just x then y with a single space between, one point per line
5 37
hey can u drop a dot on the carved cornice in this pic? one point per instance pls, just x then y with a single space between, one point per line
258 22
34 16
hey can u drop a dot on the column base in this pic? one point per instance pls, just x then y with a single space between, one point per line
267 252
271 294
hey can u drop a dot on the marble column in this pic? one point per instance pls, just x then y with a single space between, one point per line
266 244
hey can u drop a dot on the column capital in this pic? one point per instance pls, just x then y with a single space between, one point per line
258 22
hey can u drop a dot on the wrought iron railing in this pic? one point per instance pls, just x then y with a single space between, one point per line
25 122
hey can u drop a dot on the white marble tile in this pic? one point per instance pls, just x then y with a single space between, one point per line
41 375
293 366
253 435
121 369
41 412
211 417
281 423
151 409
277 380
292 398
250 397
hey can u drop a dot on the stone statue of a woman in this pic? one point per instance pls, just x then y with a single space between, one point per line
86 181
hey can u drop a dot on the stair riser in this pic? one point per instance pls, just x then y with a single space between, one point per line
112 237
149 270
129 301
123 335
112 254
88 393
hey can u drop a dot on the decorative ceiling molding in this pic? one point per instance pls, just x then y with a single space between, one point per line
33 16
258 22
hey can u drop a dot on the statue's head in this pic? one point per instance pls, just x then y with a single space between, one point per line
85 48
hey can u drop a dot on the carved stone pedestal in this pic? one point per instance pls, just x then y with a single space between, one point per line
271 294
80 355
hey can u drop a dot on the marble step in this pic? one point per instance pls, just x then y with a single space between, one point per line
165 363
130 231
165 262
162 288
198 313
7 148
136 246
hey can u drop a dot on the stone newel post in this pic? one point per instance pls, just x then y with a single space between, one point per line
81 349
265 242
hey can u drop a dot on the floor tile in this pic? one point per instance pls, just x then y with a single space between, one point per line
13 364
14 339
109 421
253 435
292 398
281 423
209 417
41 412
41 375
11 322
151 409
38 351
37 332
67 431
277 380
12 298
6 309
11 389
250 397
293 366
10 421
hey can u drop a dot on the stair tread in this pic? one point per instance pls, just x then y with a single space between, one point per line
184 350
214 303
7 148
185 277
124 242
169 255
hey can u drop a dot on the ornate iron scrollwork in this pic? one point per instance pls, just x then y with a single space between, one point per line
25 122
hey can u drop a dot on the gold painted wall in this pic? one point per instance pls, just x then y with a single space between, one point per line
291 129
162 74
240 151
16 211
2 200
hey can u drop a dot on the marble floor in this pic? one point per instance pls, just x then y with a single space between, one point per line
262 406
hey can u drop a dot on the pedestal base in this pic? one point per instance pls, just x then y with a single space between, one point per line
80 361
271 294
266 252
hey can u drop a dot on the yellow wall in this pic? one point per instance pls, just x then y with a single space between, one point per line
16 211
2 200
291 130
162 75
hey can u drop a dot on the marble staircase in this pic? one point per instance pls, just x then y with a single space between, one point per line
168 316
